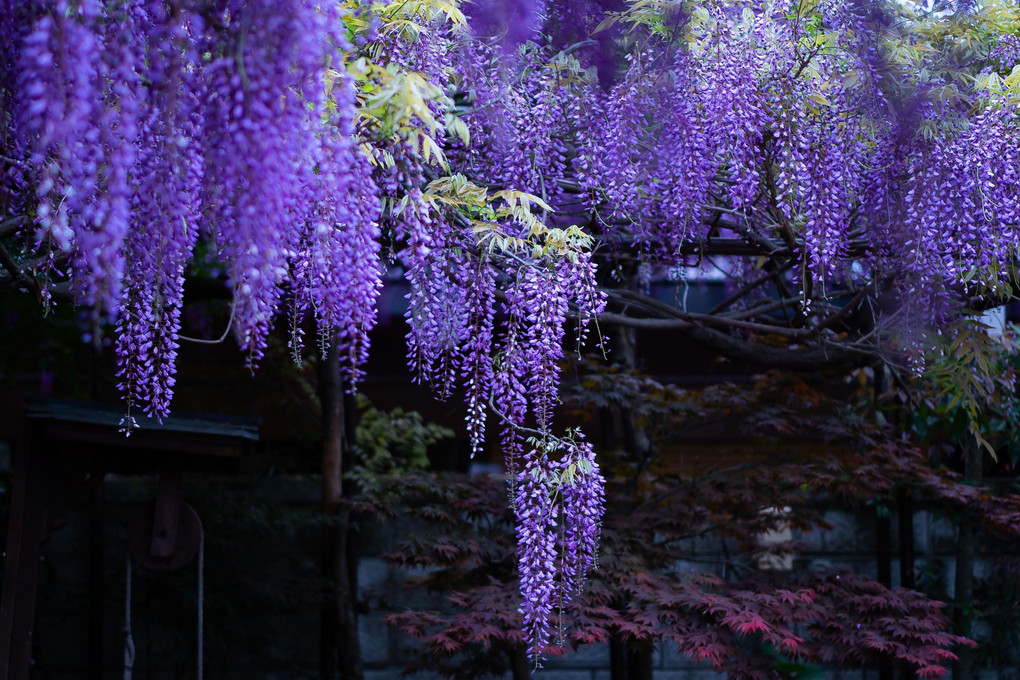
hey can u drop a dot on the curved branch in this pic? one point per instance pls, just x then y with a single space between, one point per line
226 332
843 311
682 323
681 319
813 358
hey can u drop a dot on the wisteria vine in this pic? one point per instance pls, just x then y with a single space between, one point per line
300 143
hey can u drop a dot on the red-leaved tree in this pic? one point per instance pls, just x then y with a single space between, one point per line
736 613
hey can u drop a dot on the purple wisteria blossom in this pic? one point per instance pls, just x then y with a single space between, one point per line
137 132
559 505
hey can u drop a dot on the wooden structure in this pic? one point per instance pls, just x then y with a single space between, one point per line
58 437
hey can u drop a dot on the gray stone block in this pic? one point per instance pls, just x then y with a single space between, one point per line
931 576
867 566
922 532
586 656
707 545
811 541
980 630
943 534
382 535
848 535
844 674
374 636
672 658
694 673
688 567
374 576
858 564
406 593
561 674
394 674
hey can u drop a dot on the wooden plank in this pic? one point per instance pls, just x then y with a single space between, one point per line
181 444
110 417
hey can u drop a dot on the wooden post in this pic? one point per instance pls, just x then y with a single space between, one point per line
26 531
340 651
97 584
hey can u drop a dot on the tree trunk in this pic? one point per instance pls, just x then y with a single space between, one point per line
635 439
630 660
97 581
520 667
883 533
340 651
966 550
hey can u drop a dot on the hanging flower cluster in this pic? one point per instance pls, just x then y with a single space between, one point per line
781 125
519 115
147 127
558 505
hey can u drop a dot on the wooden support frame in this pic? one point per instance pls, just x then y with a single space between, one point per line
56 432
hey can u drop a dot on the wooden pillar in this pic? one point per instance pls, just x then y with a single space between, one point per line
97 584
26 531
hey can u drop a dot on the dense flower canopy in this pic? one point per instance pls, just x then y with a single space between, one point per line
865 155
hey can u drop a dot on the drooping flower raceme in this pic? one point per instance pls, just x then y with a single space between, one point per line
559 506
147 128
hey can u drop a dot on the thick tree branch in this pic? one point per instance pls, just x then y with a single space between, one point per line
681 319
825 356
711 246
846 309
764 308
691 322
19 272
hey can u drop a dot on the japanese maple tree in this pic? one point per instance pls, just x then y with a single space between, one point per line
740 614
